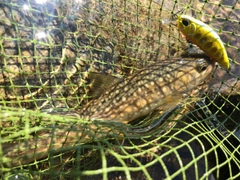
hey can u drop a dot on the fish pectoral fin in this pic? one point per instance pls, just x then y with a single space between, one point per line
100 83
172 101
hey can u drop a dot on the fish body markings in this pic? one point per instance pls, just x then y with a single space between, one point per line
159 85
205 38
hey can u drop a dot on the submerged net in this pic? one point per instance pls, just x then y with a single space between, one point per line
47 51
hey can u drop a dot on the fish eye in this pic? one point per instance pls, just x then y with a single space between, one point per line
185 22
201 66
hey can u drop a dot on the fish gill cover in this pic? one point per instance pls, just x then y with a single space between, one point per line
71 70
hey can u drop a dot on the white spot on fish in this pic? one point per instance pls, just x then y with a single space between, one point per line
124 98
135 94
140 90
107 109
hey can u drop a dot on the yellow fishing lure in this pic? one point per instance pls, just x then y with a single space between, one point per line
205 38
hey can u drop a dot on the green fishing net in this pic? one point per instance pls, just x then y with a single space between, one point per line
47 50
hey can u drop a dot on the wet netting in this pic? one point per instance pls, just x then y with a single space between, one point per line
48 51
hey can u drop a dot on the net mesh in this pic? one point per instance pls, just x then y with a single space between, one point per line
47 50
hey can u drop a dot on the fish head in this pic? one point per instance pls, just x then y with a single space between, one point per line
192 72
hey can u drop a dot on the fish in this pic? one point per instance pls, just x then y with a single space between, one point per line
205 38
160 85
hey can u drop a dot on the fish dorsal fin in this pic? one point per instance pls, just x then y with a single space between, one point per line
100 83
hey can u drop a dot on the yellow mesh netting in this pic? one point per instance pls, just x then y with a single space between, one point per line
48 48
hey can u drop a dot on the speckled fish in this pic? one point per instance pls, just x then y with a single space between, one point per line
159 85
205 38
